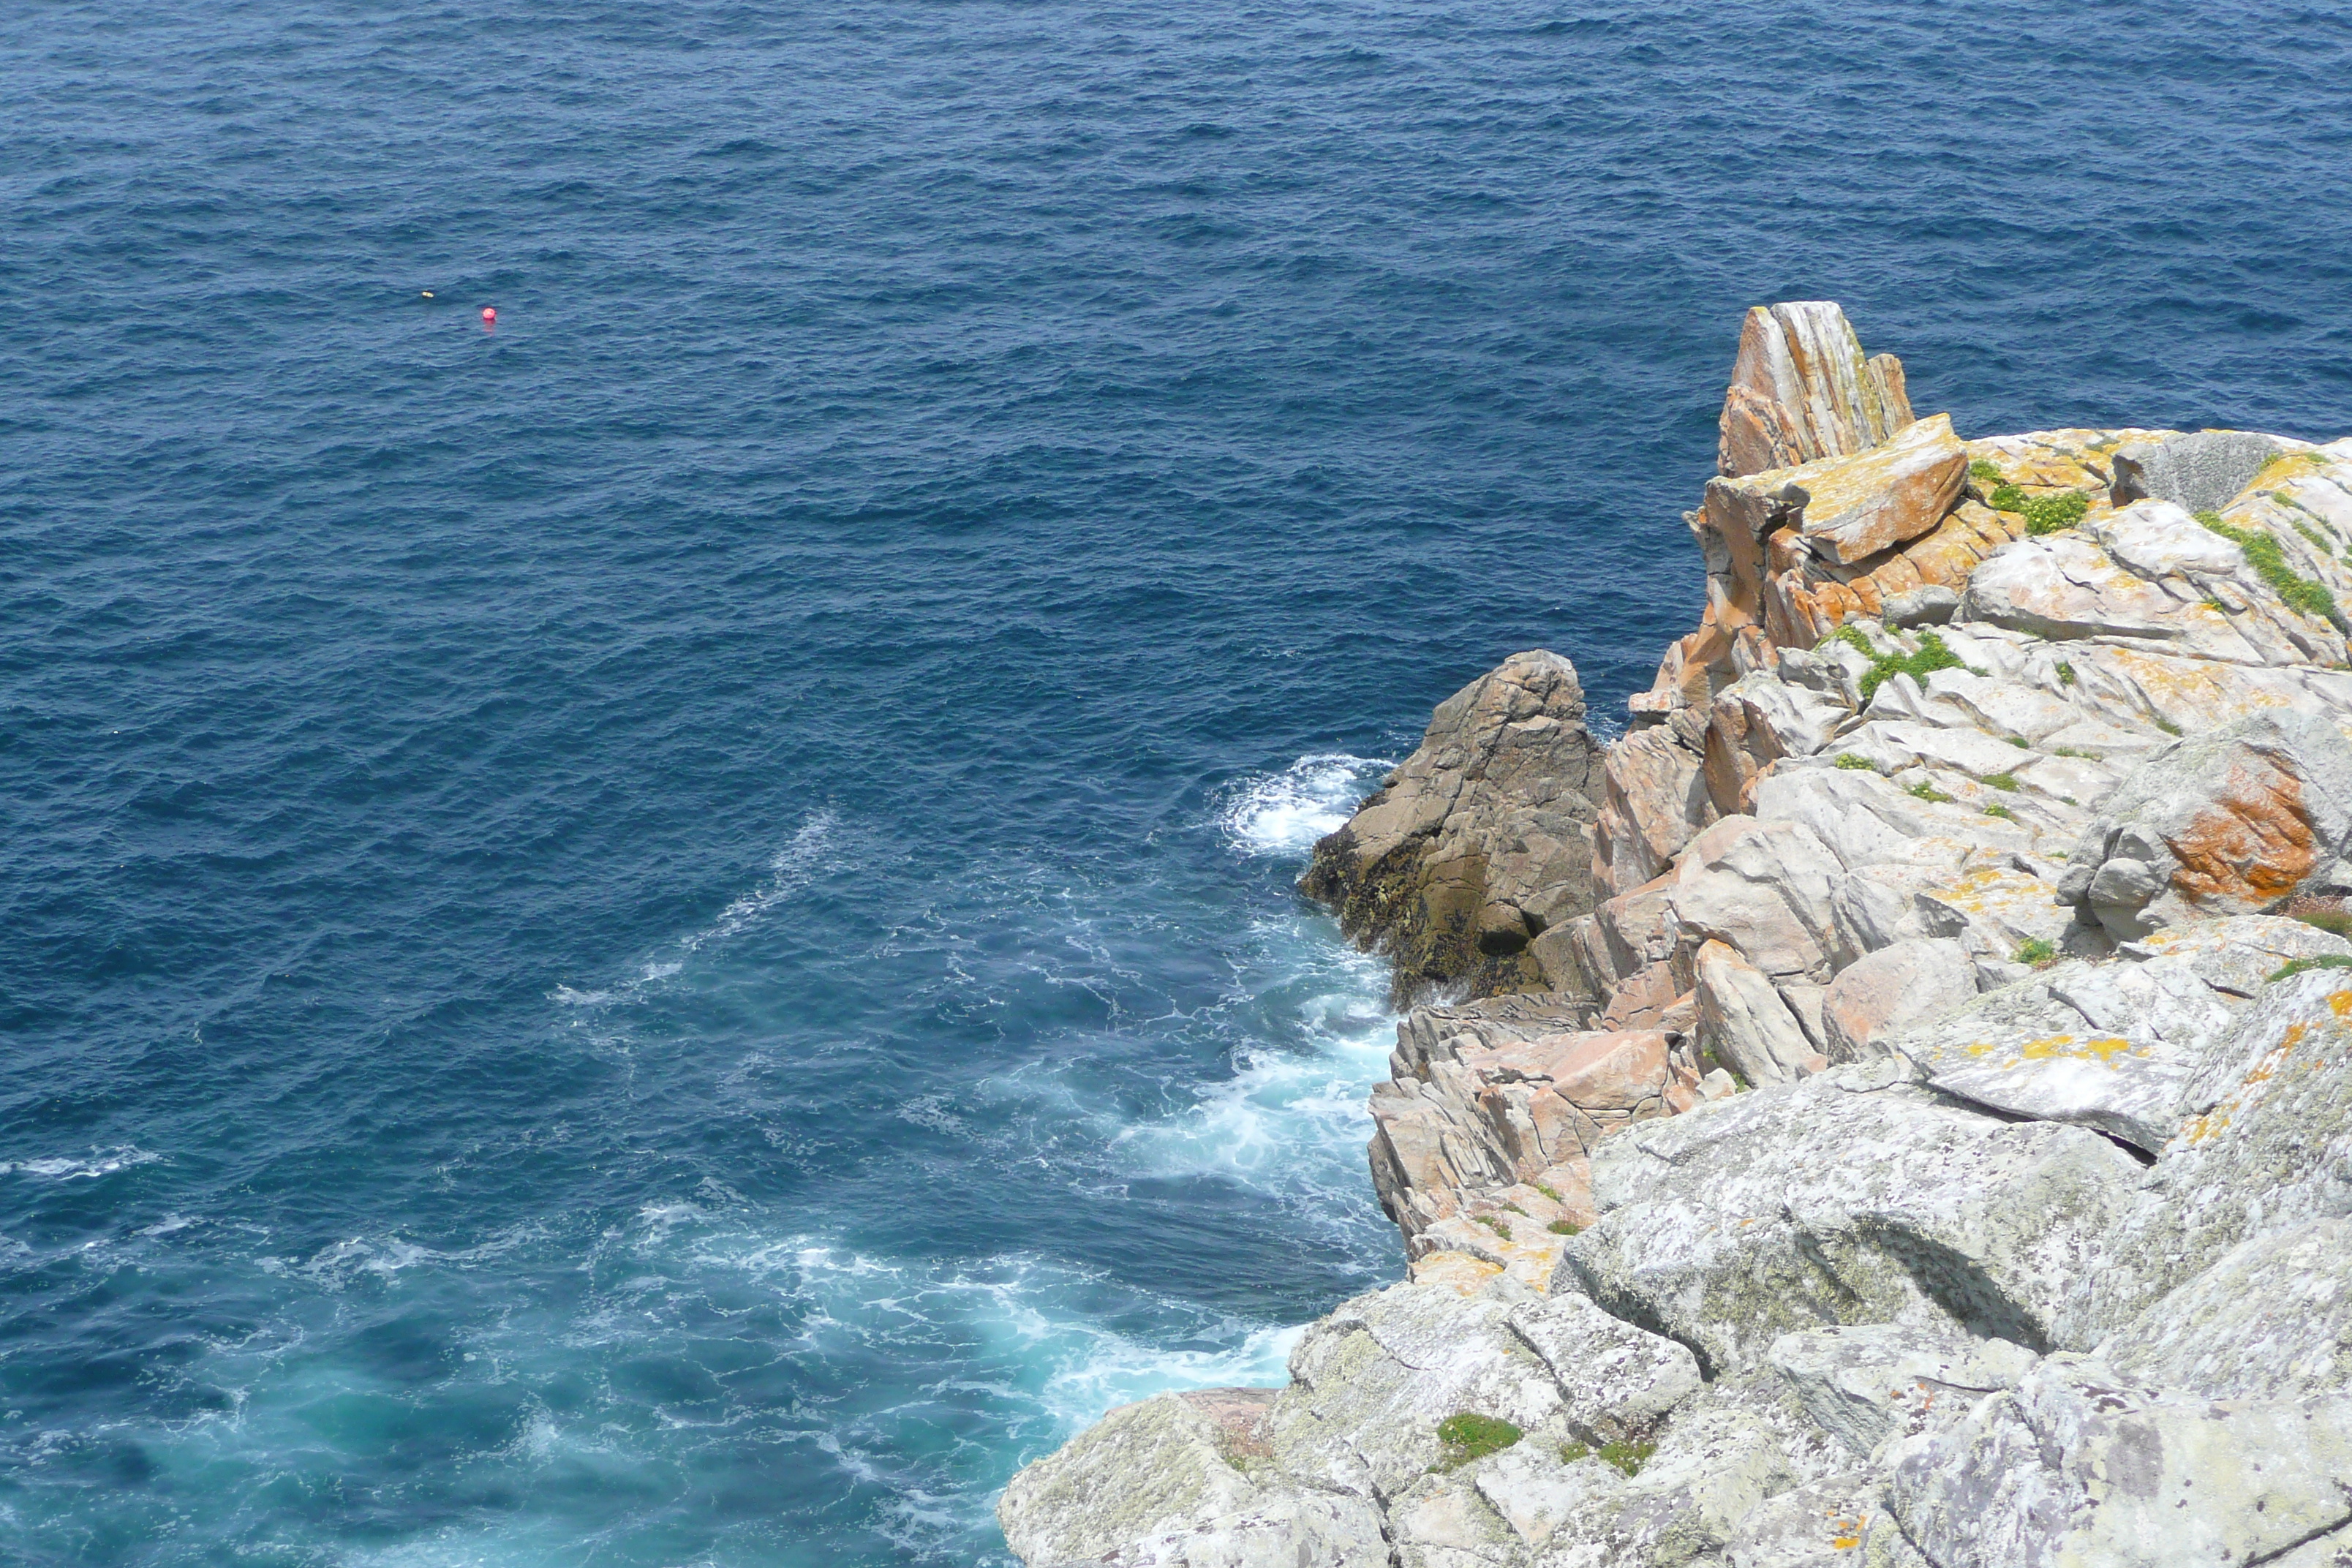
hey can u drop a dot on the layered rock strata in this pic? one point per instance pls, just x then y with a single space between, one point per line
1924 1133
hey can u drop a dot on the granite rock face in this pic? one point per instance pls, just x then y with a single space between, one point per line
1802 389
1481 841
2224 824
1925 1135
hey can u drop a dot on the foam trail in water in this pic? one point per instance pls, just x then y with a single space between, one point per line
793 868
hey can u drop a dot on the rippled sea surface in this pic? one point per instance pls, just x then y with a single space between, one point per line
662 934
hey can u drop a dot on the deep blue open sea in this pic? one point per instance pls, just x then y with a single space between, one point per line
662 934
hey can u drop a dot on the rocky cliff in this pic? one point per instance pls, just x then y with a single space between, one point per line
1894 1106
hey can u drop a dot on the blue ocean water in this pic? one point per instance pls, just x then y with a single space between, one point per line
662 934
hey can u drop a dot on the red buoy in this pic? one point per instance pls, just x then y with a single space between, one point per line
489 317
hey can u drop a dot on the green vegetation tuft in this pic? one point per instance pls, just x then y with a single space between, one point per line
2036 951
2000 811
2302 965
1573 1452
2336 920
2006 498
2053 514
2269 562
1628 1457
1565 1227
2071 752
2167 726
2020 742
1548 1192
1848 760
1933 653
2066 673
1497 1227
1469 1436
1985 468
2005 783
1927 792
2327 545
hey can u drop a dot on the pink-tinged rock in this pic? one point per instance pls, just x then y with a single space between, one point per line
1892 987
1744 1024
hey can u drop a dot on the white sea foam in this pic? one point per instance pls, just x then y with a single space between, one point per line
809 852
1285 812
81 1167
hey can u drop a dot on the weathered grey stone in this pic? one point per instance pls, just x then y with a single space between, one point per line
1616 1382
1762 889
2265 1143
2224 824
2110 1046
1371 1381
1869 1384
1852 1197
2078 1466
1481 840
1182 1481
2271 1318
1822 1524
2200 472
1719 1460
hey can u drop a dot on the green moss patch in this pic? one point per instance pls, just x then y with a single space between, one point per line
1627 1457
2269 562
2304 965
1848 760
1469 1436
2034 950
1565 1227
1932 654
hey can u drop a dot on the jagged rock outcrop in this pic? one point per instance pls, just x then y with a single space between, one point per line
1802 389
1927 1139
1481 842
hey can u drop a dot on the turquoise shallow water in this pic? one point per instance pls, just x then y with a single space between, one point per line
662 935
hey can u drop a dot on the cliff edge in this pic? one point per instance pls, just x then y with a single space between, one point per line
1893 1107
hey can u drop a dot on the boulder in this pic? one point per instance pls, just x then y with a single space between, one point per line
1182 1481
1761 889
1370 1382
1801 389
1873 1384
1851 1198
2264 1143
1744 1024
2075 1464
1893 987
1850 507
2113 1046
2222 824
2200 472
1617 1382
1481 840
2271 1318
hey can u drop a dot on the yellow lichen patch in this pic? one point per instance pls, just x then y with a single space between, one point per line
2065 1047
2340 1004
1464 1274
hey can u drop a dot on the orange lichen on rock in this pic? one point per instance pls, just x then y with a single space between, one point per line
2254 844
